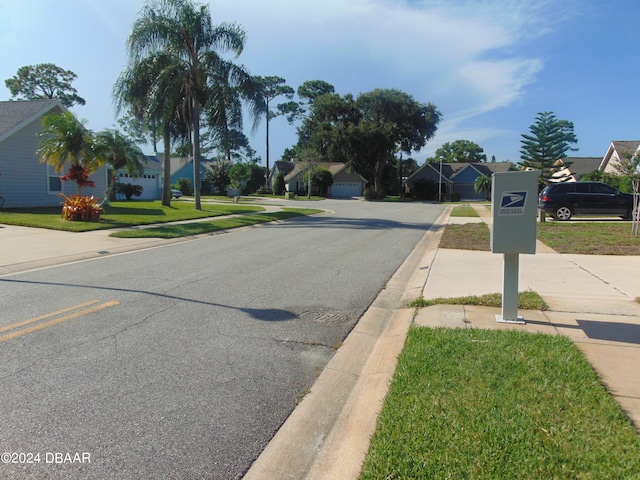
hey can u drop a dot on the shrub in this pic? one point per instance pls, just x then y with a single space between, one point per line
184 185
80 208
372 194
454 196
279 185
424 189
79 175
129 190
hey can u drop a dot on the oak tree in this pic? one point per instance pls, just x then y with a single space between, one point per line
44 80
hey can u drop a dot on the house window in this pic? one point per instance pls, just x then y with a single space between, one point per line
54 184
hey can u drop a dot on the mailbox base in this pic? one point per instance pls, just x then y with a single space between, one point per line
517 321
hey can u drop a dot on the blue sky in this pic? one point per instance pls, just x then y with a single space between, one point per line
489 65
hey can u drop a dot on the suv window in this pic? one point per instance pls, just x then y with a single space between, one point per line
560 188
582 188
602 188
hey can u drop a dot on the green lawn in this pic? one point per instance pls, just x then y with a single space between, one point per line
595 238
196 228
466 236
472 403
122 214
463 211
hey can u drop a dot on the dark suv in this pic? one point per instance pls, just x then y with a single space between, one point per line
563 200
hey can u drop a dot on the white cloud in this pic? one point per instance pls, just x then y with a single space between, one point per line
468 57
440 49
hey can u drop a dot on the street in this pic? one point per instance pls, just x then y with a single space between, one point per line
182 361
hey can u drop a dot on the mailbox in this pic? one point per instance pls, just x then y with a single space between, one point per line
514 205
514 201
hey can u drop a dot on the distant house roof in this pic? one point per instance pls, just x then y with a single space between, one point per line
152 162
616 150
178 163
15 114
333 167
451 170
284 167
482 168
580 166
626 145
291 170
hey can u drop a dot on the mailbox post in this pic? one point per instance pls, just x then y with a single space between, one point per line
514 204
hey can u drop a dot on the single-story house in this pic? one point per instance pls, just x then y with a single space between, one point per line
458 177
24 180
345 183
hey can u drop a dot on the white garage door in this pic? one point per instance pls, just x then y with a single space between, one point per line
346 189
149 183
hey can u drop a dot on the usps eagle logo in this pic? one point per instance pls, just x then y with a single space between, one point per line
512 203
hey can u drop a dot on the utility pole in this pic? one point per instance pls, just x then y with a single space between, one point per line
440 183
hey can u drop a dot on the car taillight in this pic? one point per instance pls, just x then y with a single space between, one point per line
544 198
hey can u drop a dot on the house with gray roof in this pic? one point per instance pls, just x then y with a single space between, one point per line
345 183
457 177
24 180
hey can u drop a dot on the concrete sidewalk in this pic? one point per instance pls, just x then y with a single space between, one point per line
26 248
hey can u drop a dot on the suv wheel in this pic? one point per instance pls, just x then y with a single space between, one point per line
562 213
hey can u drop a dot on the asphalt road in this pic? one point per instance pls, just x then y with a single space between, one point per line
183 361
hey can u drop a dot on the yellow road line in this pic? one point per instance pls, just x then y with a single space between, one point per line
42 317
56 321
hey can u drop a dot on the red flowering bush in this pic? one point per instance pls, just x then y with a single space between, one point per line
79 175
81 208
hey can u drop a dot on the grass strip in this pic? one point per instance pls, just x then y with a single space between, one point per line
526 301
463 211
472 403
196 228
468 236
121 214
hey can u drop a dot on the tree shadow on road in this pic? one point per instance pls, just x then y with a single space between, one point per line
263 314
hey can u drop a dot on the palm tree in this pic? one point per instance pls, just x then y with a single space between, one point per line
129 190
183 34
269 88
483 184
151 92
119 152
229 84
65 140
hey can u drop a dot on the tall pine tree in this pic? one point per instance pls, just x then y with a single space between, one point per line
550 140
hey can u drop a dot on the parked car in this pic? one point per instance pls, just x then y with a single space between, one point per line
564 200
175 193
